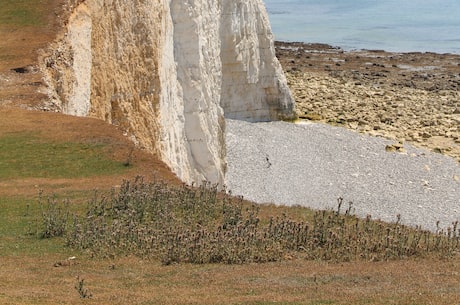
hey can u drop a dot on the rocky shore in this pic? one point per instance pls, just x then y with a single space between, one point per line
413 97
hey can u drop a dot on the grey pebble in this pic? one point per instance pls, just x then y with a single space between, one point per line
314 164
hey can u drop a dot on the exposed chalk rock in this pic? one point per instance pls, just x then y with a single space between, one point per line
253 86
168 72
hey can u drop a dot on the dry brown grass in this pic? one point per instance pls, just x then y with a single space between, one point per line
34 280
26 27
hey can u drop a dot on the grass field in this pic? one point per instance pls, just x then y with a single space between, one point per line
25 155
69 158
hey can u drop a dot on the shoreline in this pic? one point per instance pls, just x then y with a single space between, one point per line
324 45
413 97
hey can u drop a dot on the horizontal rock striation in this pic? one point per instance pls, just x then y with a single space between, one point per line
168 72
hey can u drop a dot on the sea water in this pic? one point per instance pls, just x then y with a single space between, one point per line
390 25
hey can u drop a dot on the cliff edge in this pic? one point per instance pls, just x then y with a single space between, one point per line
169 72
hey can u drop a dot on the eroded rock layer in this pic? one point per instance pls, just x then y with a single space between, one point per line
168 72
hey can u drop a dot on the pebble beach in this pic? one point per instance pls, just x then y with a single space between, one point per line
380 130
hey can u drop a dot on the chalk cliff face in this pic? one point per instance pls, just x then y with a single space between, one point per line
168 72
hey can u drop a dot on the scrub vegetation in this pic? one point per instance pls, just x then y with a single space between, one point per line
200 225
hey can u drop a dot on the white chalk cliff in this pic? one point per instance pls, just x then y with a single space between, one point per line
168 72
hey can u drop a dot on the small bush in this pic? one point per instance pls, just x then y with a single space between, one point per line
54 218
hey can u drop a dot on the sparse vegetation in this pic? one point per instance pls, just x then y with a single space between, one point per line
54 218
83 292
199 225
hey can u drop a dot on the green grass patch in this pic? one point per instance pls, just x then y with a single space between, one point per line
17 218
22 216
27 155
23 12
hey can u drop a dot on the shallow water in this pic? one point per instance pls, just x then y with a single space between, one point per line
391 25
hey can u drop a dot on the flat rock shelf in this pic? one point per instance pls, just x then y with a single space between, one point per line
413 97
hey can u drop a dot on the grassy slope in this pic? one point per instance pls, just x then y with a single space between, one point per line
27 155
22 13
46 149
25 25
